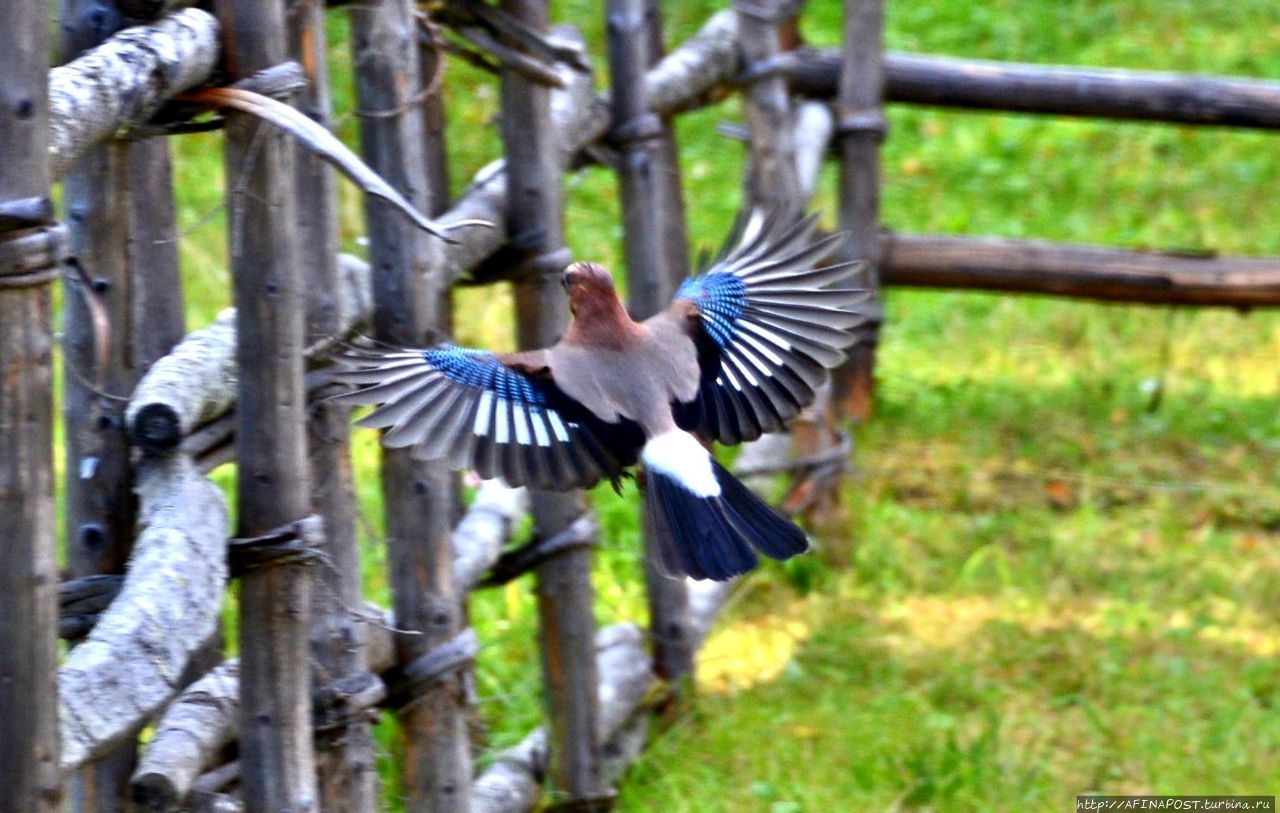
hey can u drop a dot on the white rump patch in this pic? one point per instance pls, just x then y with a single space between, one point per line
681 457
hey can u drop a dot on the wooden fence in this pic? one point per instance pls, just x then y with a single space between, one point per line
287 725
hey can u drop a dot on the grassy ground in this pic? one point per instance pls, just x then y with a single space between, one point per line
1062 547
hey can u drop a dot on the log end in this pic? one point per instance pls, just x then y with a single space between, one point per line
156 428
153 792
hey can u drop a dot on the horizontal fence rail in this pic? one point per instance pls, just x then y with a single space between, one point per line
1086 272
1054 90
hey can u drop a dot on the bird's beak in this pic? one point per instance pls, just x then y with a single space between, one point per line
566 279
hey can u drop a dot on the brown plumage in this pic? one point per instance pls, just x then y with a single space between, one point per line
738 353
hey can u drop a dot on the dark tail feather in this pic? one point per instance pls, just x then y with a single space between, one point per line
765 527
712 537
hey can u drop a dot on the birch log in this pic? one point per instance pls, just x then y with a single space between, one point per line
122 221
132 661
204 718
125 80
188 738
196 383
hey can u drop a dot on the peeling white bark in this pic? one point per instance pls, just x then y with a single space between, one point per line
125 80
487 526
197 381
129 666
204 718
194 729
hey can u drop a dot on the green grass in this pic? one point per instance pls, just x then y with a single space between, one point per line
1062 543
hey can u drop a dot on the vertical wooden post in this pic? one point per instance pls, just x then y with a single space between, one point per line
860 129
276 748
674 221
29 256
643 156
433 116
409 295
535 221
121 222
345 766
772 182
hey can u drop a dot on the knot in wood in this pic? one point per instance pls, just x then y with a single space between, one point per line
296 542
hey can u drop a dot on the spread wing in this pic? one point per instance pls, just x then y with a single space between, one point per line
767 327
502 415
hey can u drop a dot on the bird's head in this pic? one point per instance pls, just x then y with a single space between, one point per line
598 316
590 287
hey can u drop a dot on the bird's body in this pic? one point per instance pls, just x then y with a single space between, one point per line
738 353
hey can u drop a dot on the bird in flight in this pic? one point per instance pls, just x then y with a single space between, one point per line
739 352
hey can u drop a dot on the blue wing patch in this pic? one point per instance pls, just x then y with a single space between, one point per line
720 298
483 370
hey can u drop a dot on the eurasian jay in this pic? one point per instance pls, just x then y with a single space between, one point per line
739 352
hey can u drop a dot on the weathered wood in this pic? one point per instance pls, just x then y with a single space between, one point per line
276 744
513 783
204 718
860 105
132 661
667 163
125 80
121 220
409 293
771 182
1055 90
478 539
345 767
196 383
680 81
1086 272
193 731
534 219
151 9
28 578
643 160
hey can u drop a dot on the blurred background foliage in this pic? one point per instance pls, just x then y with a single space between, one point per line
1059 565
